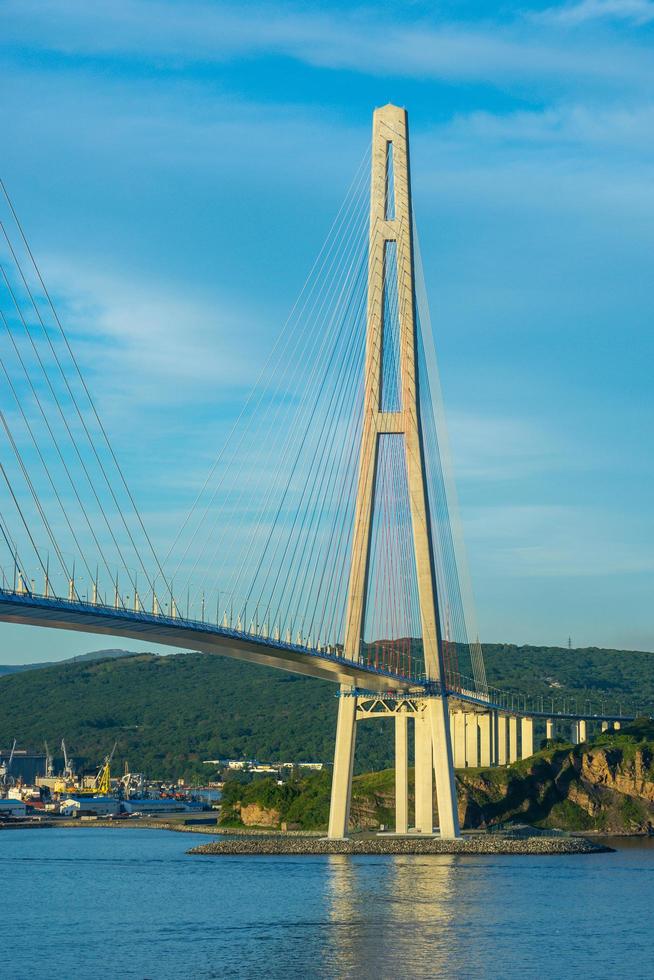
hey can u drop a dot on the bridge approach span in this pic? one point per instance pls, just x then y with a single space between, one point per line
86 617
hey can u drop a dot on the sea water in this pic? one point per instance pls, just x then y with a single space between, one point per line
130 903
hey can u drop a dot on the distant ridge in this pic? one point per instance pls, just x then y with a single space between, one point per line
109 654
169 713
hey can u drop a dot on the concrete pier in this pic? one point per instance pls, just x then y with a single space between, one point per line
484 723
513 738
583 730
502 740
459 740
339 813
527 737
401 773
495 735
424 786
550 731
472 741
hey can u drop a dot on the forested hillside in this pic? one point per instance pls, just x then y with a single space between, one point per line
169 713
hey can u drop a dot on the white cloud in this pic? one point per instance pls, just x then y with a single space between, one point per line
145 342
636 11
360 40
563 125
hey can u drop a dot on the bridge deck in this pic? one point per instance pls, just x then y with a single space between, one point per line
177 632
88 617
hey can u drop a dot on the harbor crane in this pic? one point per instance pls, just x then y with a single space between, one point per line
6 779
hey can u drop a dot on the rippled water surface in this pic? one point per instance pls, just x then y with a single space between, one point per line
125 902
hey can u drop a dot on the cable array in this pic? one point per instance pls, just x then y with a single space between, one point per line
463 655
70 524
266 545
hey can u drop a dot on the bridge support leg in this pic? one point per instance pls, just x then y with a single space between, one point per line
527 733
472 741
448 816
574 733
583 730
605 726
502 740
459 740
495 737
485 730
401 774
550 734
513 738
424 787
339 811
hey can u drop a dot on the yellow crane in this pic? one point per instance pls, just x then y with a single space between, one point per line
101 785
103 779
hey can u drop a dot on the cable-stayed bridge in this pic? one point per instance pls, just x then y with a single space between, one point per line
325 538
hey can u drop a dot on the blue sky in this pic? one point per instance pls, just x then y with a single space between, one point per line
177 166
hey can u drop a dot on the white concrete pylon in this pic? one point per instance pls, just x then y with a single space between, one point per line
401 773
393 224
423 769
448 815
339 812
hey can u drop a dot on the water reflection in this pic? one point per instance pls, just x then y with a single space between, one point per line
396 916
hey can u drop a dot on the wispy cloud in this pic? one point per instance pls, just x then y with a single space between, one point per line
359 40
146 343
635 11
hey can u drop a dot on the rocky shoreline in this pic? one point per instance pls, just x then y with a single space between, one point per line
474 844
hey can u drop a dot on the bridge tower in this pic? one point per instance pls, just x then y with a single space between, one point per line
391 228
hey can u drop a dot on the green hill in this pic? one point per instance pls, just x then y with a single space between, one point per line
169 713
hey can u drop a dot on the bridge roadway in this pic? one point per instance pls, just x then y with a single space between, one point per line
176 631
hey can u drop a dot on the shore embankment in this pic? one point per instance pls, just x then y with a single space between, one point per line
473 844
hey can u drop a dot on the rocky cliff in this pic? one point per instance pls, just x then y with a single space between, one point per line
606 785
